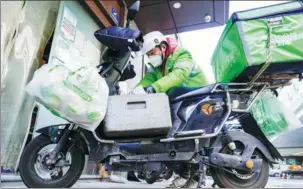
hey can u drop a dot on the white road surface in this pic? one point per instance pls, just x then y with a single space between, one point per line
94 183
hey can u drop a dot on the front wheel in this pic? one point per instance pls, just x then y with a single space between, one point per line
36 174
241 179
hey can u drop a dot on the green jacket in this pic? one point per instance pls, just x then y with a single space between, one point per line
180 71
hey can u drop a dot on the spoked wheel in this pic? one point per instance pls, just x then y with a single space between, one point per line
232 178
46 172
35 173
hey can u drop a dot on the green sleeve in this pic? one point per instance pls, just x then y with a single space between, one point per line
180 72
148 79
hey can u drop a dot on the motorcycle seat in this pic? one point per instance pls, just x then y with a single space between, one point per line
119 38
178 94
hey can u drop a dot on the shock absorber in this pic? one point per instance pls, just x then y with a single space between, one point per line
230 143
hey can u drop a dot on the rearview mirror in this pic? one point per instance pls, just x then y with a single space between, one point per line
132 11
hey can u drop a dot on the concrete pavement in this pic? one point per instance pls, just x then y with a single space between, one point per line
95 183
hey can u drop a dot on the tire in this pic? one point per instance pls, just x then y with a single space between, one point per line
28 172
152 177
224 179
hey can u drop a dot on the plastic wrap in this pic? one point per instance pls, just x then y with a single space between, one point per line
272 116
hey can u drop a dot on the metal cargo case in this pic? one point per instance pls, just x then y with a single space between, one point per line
144 115
272 35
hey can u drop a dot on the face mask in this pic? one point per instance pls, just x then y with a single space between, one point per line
155 60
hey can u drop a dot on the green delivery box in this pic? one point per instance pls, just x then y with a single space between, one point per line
253 37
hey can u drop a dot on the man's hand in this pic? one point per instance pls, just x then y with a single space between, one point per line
138 90
150 90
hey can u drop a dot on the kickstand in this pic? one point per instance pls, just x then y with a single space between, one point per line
202 178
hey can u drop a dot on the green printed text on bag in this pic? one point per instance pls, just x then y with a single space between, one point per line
76 89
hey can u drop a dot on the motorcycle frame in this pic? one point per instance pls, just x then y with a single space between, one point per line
155 152
110 147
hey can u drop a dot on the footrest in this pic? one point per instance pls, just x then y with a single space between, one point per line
189 133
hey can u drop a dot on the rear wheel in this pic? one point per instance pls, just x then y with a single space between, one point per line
241 179
35 173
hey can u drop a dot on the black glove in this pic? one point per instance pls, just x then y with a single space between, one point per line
149 90
128 73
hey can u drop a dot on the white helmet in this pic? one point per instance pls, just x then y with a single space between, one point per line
151 40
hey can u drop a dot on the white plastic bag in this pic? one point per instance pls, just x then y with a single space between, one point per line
79 95
272 116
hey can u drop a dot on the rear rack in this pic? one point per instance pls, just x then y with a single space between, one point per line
273 81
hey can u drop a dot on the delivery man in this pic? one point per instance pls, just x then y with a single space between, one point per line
172 71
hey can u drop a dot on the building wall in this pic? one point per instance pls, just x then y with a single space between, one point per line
25 30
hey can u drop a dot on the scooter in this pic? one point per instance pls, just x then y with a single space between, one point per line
198 137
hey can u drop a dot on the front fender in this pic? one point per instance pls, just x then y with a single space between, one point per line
55 132
251 144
